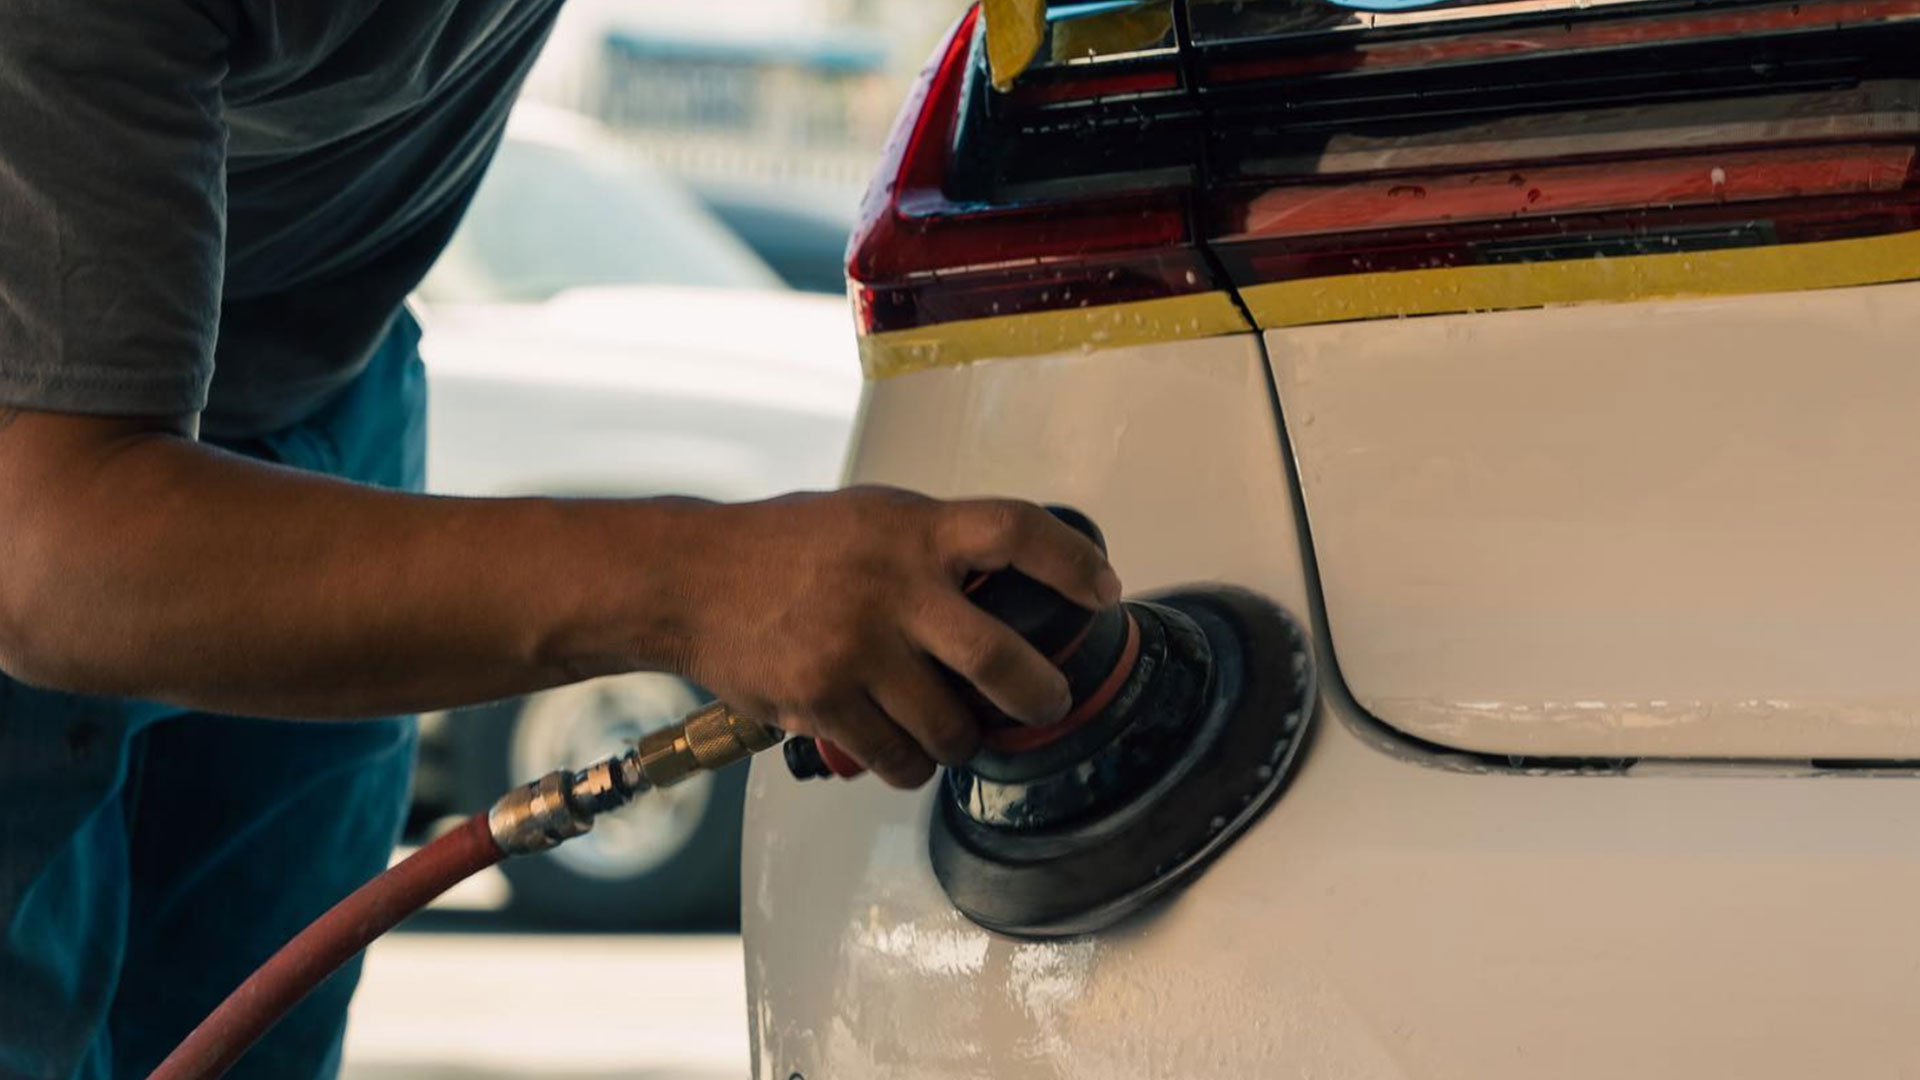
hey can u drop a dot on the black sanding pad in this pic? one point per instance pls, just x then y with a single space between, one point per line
1209 737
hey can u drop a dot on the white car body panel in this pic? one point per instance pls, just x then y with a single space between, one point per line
1680 529
1397 913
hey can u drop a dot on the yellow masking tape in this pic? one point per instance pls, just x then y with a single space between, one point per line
1111 33
1015 29
1830 264
1731 272
1177 318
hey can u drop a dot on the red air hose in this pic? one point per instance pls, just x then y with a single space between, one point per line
532 817
332 940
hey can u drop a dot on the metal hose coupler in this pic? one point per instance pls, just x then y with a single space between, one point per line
537 816
710 739
562 805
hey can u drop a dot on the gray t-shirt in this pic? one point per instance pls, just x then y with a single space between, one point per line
217 206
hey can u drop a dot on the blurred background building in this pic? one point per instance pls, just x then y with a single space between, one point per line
767 91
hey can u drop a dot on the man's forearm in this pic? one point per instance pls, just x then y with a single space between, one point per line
135 562
167 570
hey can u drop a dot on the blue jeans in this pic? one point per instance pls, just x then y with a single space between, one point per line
150 857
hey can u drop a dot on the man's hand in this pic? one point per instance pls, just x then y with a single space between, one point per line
826 615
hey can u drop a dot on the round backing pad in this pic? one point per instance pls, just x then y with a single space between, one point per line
1247 726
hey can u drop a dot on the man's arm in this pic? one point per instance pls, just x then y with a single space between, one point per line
137 562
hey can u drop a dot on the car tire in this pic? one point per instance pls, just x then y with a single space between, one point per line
671 861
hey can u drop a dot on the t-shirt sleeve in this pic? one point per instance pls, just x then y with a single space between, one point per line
112 204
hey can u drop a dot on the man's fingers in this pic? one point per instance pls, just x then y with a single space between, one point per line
874 740
987 653
990 534
921 701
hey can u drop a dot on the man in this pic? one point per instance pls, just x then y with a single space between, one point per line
210 211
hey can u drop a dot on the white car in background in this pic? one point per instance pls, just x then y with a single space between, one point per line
593 331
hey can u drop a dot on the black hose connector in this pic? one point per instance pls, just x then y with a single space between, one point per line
804 760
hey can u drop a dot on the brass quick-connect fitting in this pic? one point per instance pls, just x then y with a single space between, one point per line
710 739
537 816
562 805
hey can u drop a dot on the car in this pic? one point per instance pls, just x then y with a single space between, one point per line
1519 399
800 230
593 331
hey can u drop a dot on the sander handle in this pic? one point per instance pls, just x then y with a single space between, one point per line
1049 622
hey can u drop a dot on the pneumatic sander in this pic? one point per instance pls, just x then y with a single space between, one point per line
1189 710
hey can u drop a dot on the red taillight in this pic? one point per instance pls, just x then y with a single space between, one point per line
916 153
1406 200
1080 87
1538 213
1483 45
920 257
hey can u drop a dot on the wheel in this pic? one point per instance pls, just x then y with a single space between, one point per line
669 861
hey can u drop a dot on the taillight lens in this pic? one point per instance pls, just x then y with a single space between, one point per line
921 257
1312 56
1557 190
1661 205
1534 139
